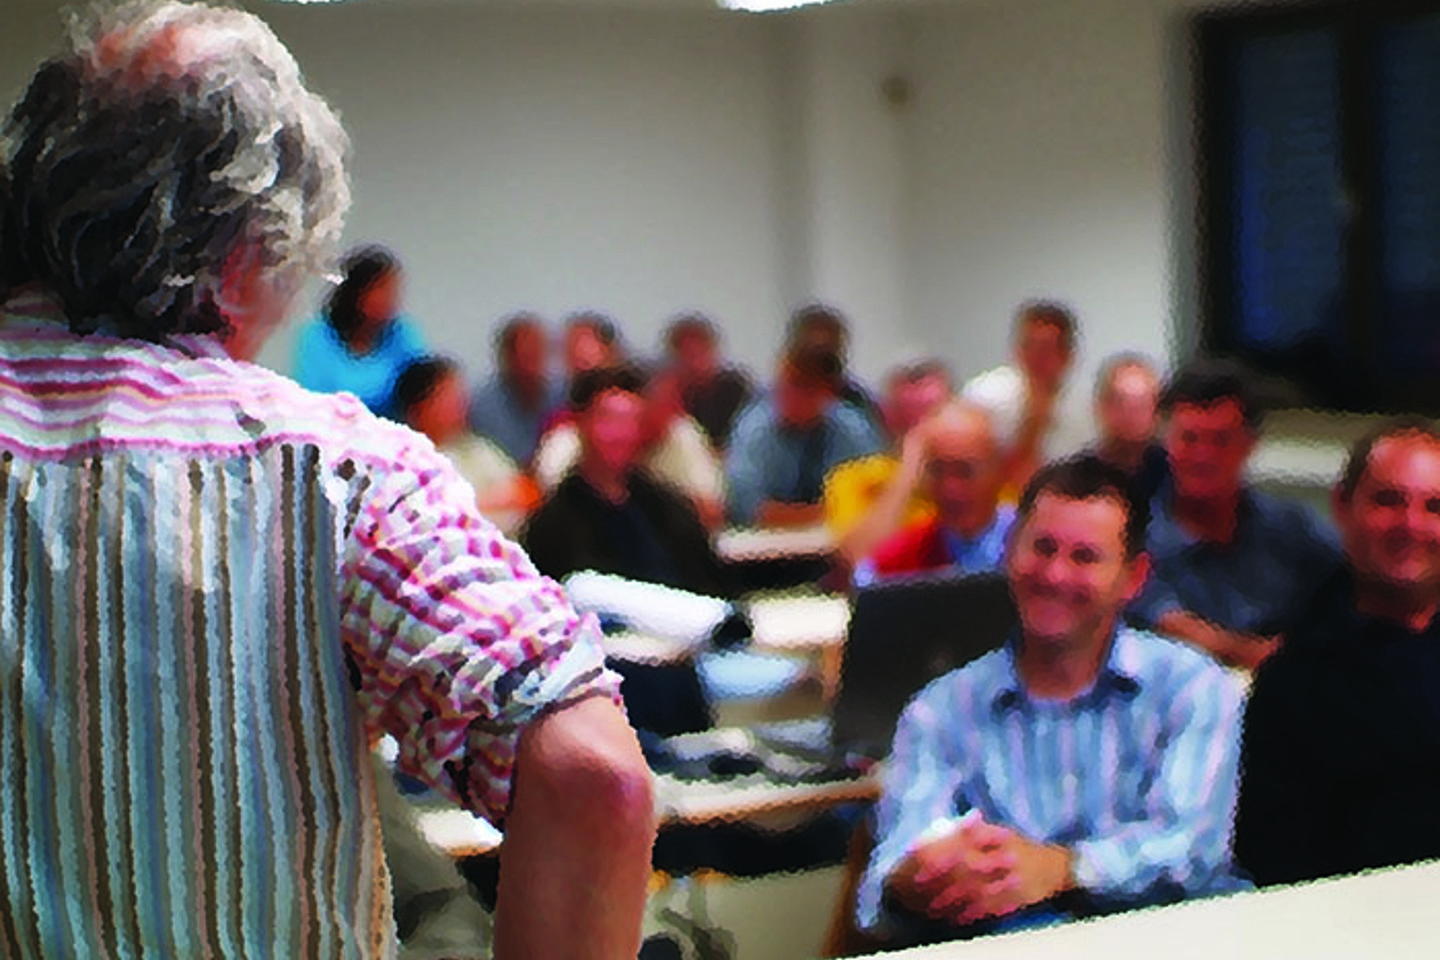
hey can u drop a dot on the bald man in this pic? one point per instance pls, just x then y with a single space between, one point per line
962 471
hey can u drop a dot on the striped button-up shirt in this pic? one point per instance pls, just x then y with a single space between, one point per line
1136 776
216 589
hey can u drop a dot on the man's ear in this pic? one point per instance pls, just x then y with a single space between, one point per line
1137 572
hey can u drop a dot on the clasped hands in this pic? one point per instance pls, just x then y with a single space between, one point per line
980 870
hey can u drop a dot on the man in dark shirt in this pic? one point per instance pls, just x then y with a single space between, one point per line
710 392
1341 757
1229 565
609 516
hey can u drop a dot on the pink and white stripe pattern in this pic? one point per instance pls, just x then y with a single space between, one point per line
216 589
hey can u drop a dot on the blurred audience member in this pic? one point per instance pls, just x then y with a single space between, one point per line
1023 396
784 444
954 459
513 405
591 341
710 393
1127 418
611 516
868 499
824 327
609 513
430 396
1081 769
360 343
1230 564
1341 759
673 450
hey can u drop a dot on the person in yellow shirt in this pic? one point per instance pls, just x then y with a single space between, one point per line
868 499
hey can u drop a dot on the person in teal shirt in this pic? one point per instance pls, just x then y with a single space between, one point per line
360 343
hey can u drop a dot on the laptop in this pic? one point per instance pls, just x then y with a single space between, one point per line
905 633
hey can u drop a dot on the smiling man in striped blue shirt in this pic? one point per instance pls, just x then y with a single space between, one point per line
1081 769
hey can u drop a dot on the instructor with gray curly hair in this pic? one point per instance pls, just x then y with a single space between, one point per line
217 589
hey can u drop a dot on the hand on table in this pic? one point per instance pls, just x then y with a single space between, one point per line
980 870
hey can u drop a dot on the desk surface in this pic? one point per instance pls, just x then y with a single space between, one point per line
799 623
1386 914
748 545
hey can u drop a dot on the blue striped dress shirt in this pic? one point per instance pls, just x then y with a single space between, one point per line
1136 776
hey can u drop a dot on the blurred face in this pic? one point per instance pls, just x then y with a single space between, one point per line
696 356
1069 573
910 403
612 431
1391 525
529 354
800 403
1127 410
379 303
584 350
1208 447
1041 353
962 474
442 416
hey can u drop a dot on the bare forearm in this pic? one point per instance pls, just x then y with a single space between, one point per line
773 513
575 865
1228 646
882 520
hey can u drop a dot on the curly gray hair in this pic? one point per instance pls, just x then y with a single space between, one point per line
167 138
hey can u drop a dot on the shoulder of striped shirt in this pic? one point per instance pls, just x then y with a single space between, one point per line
1185 660
160 397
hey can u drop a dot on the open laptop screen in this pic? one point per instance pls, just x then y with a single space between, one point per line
905 633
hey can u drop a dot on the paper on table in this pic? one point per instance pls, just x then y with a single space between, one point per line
457 831
648 608
799 621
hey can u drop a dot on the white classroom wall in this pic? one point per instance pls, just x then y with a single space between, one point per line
646 158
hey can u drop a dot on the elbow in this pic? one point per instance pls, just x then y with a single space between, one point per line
584 766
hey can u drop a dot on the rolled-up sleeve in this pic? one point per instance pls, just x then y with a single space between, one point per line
456 641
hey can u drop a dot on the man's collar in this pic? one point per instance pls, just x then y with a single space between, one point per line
1165 529
1119 674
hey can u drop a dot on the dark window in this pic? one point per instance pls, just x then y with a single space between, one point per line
1320 197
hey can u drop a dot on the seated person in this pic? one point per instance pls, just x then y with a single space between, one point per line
674 450
1230 564
361 341
868 499
1024 396
430 397
511 407
1341 756
610 516
824 327
785 443
1083 768
710 393
1127 415
957 463
591 341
